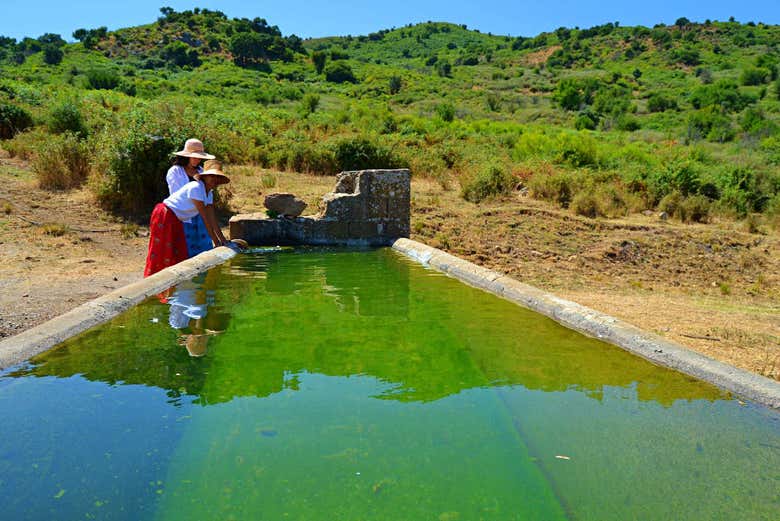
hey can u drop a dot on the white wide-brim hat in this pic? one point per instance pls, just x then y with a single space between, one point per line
194 148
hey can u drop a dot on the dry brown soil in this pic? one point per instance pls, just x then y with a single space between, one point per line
714 288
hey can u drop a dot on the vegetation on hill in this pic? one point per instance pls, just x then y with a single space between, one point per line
605 120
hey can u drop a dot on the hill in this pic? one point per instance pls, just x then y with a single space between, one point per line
606 121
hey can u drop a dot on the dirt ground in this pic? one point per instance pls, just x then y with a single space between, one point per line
714 288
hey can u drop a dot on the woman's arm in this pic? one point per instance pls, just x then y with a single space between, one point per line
215 223
214 232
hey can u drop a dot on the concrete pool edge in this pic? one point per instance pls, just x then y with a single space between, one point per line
598 325
36 340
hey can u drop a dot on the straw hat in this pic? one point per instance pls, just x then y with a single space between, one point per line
196 345
214 168
194 148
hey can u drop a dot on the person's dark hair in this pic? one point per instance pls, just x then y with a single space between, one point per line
180 161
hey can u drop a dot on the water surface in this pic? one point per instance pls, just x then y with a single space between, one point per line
338 384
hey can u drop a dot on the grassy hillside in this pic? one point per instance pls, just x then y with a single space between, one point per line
605 121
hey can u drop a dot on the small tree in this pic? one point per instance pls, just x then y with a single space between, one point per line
52 55
13 120
309 103
319 58
395 84
339 72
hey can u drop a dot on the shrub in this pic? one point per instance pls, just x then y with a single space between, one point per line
61 162
319 58
394 84
446 111
586 121
306 158
694 209
491 181
754 76
13 119
102 79
586 204
660 103
309 103
66 117
670 203
628 123
52 55
133 168
710 123
556 187
724 94
360 153
577 150
339 72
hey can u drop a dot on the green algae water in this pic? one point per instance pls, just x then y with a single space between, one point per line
358 385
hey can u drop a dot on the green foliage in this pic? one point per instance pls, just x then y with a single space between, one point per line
339 72
102 78
723 94
319 58
446 111
61 162
251 49
309 103
180 54
52 55
394 84
13 119
710 123
359 153
660 103
586 121
66 117
571 94
754 76
493 180
558 187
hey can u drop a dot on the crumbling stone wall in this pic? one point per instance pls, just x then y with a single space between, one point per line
367 207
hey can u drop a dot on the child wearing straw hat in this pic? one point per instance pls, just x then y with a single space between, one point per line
186 165
167 242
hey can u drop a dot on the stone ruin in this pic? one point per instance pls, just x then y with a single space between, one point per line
367 207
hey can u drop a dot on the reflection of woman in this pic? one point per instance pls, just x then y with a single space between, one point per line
186 166
167 243
189 309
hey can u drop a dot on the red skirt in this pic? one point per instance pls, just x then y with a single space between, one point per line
167 245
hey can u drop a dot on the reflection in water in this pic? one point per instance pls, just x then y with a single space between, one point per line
349 313
358 385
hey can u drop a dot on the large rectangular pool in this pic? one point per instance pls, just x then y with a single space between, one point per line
331 384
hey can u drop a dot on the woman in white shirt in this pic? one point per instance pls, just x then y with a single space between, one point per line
187 164
167 243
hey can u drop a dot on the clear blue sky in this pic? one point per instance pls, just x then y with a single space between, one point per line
20 18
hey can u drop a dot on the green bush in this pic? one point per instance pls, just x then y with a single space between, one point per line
446 111
670 203
360 153
754 76
339 72
13 119
586 204
694 209
102 79
586 121
660 103
557 187
61 162
52 55
577 150
66 117
491 181
306 158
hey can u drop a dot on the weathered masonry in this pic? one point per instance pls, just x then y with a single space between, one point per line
367 207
